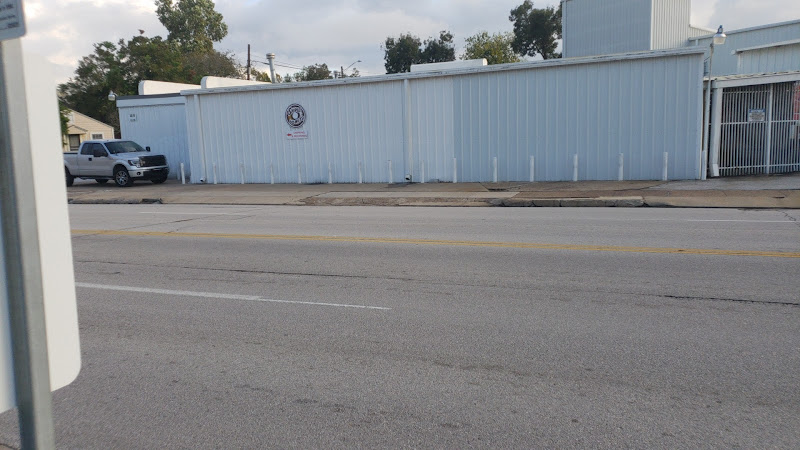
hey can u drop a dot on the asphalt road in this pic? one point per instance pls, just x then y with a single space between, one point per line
304 327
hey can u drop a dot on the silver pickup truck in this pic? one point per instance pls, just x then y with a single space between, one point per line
118 160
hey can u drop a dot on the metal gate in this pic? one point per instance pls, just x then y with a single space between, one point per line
760 129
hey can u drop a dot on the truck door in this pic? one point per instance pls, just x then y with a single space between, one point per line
84 160
102 162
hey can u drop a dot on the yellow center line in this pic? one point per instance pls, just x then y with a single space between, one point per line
523 245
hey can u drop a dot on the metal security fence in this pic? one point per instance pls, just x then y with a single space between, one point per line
760 129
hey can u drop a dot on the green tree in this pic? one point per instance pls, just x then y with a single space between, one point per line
196 65
145 58
495 48
186 57
401 52
439 49
97 75
312 73
193 24
258 75
536 30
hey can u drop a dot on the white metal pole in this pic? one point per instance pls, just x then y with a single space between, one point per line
215 173
360 174
575 167
533 171
768 152
455 170
621 172
494 169
241 171
716 129
422 171
666 165
330 173
183 175
299 175
271 174
390 171
200 139
706 118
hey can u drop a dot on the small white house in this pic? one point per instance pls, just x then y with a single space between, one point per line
81 127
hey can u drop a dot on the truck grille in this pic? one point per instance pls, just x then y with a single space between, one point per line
153 161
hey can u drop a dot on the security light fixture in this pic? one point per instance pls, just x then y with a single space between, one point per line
111 96
719 38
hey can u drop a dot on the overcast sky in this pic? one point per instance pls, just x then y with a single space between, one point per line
318 31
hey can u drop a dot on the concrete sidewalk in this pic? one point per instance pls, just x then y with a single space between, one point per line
763 191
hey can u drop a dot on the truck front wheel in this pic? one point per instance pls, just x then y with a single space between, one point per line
121 177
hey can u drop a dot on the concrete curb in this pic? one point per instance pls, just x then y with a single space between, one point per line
600 202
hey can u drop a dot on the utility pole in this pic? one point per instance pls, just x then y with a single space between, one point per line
342 72
248 61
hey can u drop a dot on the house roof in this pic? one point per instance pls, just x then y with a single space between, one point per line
72 111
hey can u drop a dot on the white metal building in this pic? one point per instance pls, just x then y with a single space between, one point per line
771 58
592 27
726 57
482 124
158 122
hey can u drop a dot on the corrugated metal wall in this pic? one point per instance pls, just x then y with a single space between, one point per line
351 129
432 115
696 32
606 27
641 107
726 63
770 60
161 127
670 23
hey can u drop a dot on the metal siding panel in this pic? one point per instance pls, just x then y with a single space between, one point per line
432 118
770 60
670 23
726 63
161 127
637 107
343 128
594 27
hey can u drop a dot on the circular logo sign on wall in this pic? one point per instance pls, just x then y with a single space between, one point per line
295 115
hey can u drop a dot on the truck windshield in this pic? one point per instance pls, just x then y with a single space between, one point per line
124 147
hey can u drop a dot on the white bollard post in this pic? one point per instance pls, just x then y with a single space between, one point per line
533 171
455 170
183 175
390 171
494 169
621 172
299 175
271 174
330 174
703 164
664 170
241 171
575 168
422 171
215 174
360 174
